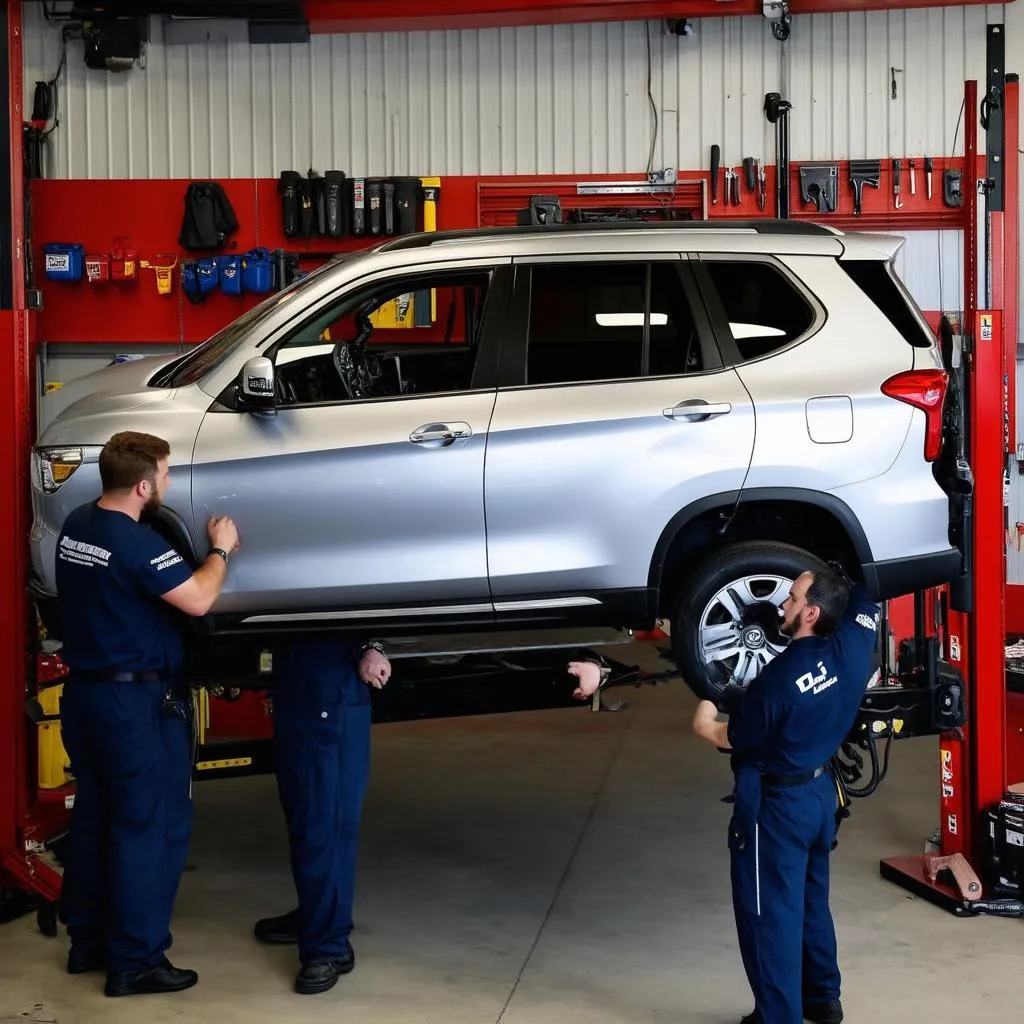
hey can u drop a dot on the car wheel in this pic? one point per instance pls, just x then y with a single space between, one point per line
725 628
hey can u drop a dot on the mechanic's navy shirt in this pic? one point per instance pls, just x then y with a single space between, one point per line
797 712
110 574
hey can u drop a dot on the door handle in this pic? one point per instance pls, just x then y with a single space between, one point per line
440 435
697 409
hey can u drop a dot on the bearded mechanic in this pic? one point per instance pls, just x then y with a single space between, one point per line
782 732
126 718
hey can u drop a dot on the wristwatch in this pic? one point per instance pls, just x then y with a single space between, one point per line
220 551
373 645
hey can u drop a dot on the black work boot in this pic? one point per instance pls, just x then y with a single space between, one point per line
283 930
162 977
321 975
86 961
824 1013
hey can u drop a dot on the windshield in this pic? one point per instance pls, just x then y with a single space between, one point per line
211 353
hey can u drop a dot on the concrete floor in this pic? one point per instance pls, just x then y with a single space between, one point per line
537 868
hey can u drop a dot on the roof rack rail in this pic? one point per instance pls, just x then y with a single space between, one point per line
763 226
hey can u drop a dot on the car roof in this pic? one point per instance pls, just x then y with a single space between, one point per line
763 235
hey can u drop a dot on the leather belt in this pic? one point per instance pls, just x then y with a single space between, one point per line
785 781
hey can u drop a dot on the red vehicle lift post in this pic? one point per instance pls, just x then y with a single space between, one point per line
16 432
972 759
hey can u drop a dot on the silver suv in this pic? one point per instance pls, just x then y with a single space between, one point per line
546 427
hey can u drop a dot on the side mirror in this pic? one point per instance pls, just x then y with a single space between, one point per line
256 387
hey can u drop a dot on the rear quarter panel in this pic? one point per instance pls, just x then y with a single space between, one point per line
851 354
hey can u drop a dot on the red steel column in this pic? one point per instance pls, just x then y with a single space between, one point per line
15 437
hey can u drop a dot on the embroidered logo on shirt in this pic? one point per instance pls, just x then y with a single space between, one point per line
80 553
166 560
816 683
866 620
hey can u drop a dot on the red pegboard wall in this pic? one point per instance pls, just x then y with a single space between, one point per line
148 214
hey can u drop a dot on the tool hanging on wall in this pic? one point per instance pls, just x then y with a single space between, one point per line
951 193
863 172
913 177
163 268
732 187
357 197
716 157
750 173
776 110
335 206
897 198
818 185
928 176
334 200
374 197
893 72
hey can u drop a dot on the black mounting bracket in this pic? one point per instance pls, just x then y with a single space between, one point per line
992 116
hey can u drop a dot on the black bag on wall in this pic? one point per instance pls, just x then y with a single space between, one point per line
209 218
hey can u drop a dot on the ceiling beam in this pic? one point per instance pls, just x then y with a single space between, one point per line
405 15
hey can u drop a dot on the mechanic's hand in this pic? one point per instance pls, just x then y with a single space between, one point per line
706 710
374 669
589 676
704 719
223 533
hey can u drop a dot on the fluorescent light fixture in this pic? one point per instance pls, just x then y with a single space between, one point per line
740 331
629 319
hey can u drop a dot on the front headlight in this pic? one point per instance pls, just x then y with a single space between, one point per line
52 467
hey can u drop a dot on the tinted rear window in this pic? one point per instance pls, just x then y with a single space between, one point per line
880 285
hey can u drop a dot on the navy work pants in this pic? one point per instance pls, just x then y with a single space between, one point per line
322 760
131 822
780 887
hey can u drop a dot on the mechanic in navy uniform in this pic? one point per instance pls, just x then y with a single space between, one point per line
321 702
322 759
782 732
126 718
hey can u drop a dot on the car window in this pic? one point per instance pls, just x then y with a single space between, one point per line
763 309
410 335
609 321
195 365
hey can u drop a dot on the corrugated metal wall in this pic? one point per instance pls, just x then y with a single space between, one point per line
568 99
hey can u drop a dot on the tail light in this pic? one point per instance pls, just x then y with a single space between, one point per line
924 390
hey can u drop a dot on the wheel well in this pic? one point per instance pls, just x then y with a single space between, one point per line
805 525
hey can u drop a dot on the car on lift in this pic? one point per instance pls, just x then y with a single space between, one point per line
564 426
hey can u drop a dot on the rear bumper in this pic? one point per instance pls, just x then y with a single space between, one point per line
898 576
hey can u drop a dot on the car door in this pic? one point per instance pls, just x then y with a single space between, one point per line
365 508
613 414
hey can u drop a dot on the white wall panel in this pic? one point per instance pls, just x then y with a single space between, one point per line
563 99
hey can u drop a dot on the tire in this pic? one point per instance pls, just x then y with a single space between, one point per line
734 595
